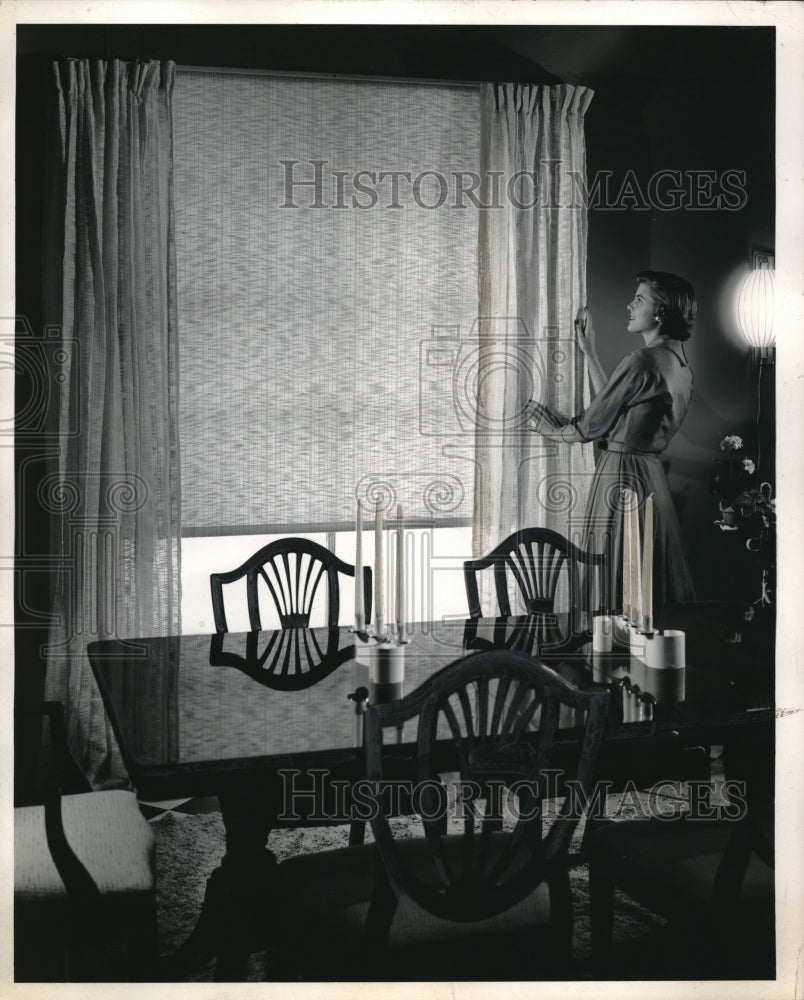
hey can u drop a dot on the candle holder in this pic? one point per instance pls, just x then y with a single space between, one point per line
621 630
381 693
666 685
666 650
378 636
386 664
656 650
635 637
379 631
364 643
602 633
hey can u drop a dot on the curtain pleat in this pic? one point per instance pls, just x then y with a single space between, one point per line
110 275
532 279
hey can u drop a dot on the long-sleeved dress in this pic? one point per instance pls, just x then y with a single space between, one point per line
633 418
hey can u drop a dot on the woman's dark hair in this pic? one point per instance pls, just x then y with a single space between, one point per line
675 302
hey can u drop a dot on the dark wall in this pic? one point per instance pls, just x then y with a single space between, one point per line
443 53
712 108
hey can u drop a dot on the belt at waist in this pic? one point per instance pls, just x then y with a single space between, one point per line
622 449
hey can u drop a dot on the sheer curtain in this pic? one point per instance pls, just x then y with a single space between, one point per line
113 490
532 264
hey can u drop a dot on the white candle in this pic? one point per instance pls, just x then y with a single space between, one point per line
359 600
400 571
647 565
636 564
379 589
626 528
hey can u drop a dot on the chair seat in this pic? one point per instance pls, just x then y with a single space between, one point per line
331 893
673 868
679 860
106 831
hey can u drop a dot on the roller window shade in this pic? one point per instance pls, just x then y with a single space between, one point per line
326 348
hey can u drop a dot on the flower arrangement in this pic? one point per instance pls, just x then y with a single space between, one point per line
744 507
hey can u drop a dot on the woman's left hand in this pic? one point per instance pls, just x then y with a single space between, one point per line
585 332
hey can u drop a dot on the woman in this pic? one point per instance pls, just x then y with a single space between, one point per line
633 416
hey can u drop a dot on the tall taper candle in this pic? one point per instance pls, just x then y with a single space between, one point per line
360 609
626 527
400 571
647 565
379 583
636 564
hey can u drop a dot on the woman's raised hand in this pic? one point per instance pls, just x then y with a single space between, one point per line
544 420
585 331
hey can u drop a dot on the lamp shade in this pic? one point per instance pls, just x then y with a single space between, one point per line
755 308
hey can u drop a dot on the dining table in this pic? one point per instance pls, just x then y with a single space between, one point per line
238 715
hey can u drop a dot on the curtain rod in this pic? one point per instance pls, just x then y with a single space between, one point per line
346 77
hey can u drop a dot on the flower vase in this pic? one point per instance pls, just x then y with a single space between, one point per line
728 516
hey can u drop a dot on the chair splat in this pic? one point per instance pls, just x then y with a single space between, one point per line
290 572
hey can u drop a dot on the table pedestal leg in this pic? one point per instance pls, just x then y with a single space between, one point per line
248 816
238 910
249 876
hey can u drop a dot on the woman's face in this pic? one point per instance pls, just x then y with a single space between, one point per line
642 311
